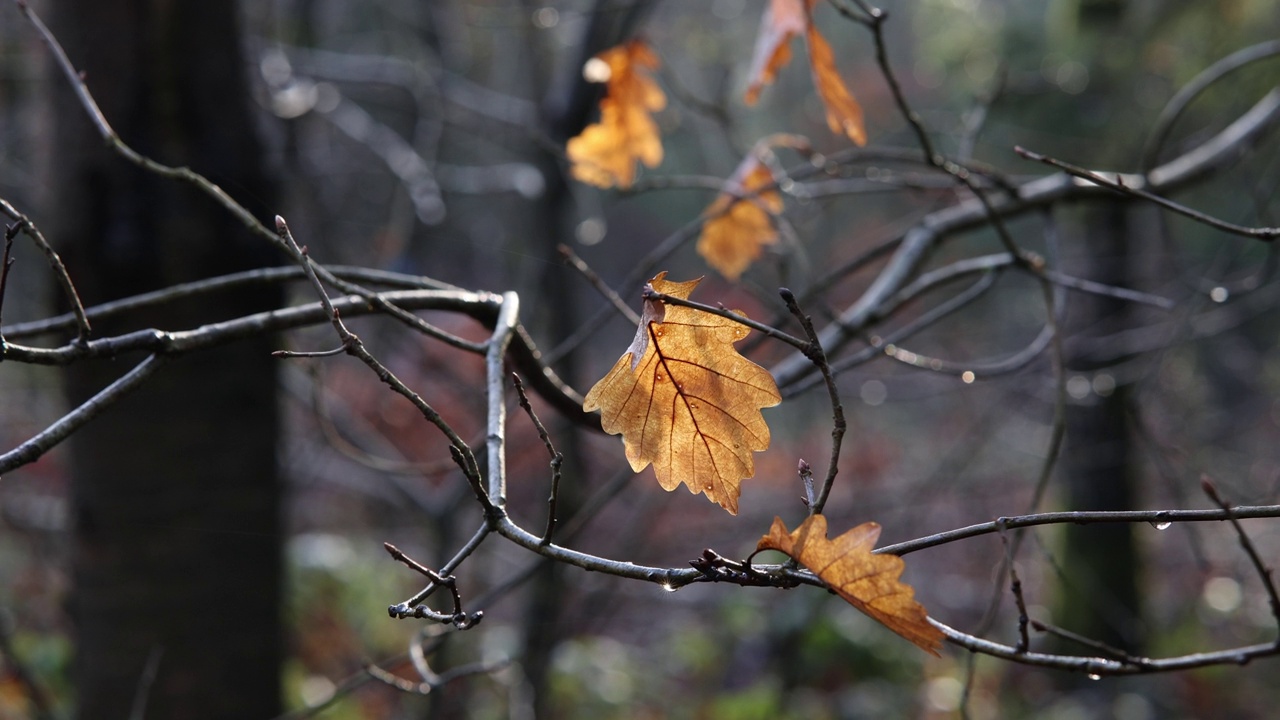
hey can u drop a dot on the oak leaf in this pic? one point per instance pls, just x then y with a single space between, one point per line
783 20
605 153
684 400
867 581
844 114
739 227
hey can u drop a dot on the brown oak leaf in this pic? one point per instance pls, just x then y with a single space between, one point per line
684 400
605 153
867 581
844 114
739 228
783 21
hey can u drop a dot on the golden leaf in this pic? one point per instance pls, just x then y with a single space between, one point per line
844 114
684 400
782 21
605 154
740 228
867 581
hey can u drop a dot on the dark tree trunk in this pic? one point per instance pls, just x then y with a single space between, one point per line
176 495
550 304
1101 564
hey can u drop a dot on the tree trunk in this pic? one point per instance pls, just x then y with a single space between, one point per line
176 496
1101 565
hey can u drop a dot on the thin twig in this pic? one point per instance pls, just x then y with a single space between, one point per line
257 276
354 346
42 442
1095 645
55 262
1100 666
340 350
6 262
1015 587
405 609
459 618
838 425
1079 517
1130 185
1264 572
557 458
609 294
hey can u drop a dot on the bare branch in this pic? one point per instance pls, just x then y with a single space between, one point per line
1130 185
557 458
838 425
609 294
920 239
47 439
28 228
1152 517
1246 544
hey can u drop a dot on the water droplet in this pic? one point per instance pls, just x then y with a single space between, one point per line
1095 676
659 377
1162 525
669 587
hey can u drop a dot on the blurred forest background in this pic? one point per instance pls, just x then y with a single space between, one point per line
229 519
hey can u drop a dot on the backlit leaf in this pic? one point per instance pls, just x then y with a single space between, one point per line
739 228
782 21
844 114
684 400
605 154
867 581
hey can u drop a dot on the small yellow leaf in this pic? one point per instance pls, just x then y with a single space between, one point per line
605 154
782 21
867 581
738 229
844 114
684 400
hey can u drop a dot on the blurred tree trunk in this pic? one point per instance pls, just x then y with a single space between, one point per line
176 495
1101 564
552 306
1102 588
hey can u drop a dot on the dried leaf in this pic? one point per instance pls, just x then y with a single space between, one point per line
739 228
782 21
844 114
684 399
605 154
866 581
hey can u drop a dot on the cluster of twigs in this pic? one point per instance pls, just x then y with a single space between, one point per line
818 358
